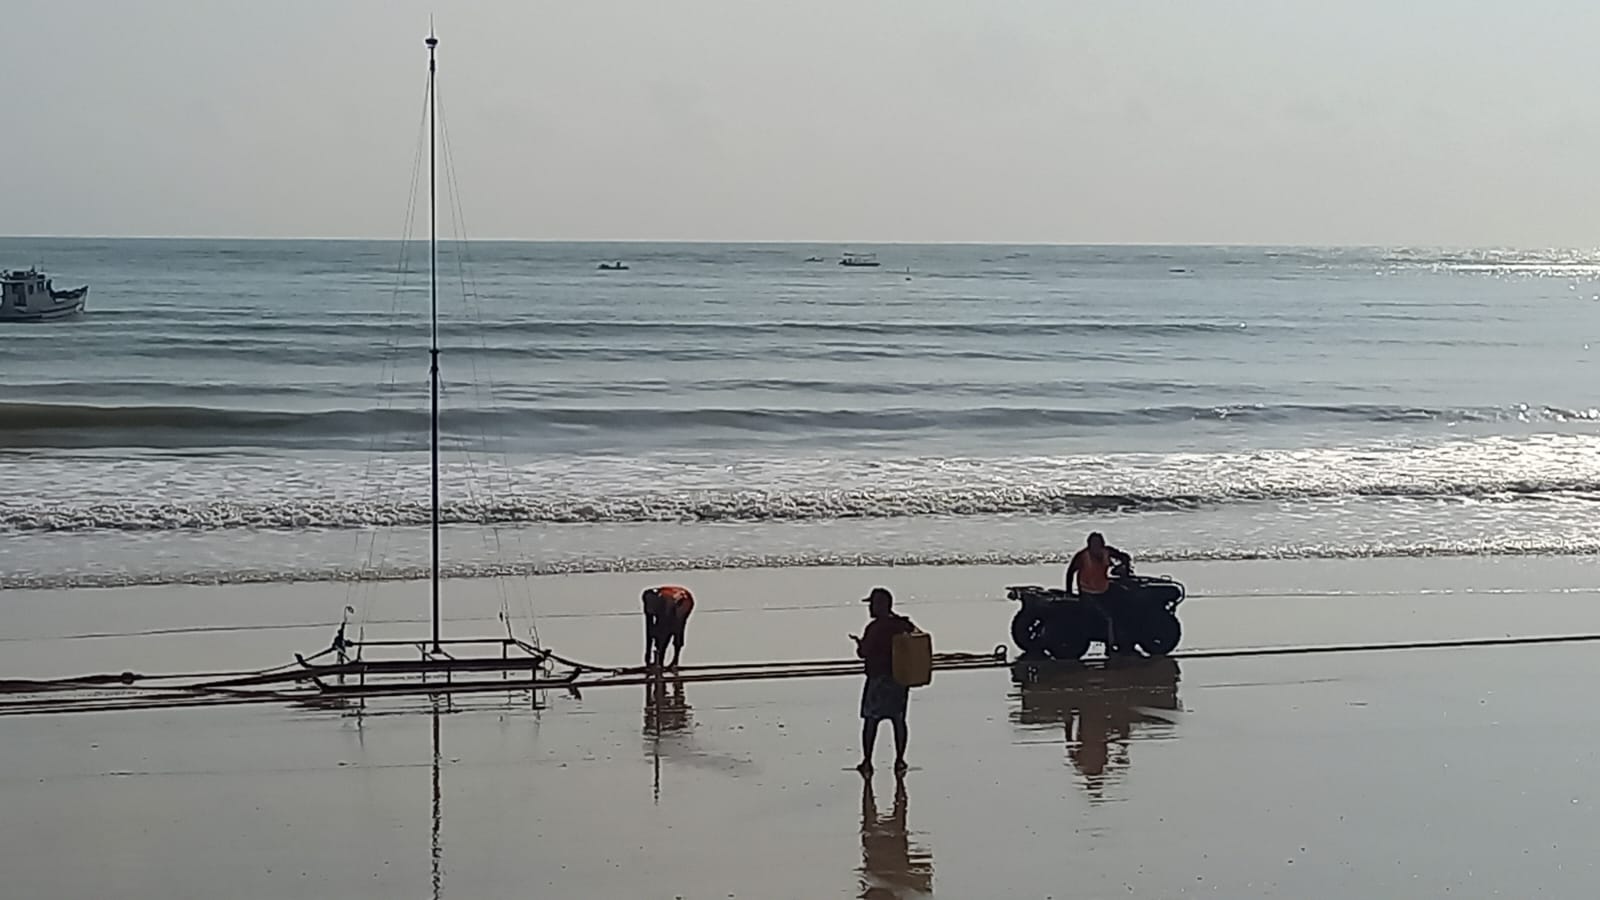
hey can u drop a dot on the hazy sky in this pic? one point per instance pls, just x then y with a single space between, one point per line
1419 122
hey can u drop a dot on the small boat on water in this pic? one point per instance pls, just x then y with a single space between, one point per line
813 259
617 266
30 296
860 260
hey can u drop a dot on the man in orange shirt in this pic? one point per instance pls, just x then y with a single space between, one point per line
1092 565
666 616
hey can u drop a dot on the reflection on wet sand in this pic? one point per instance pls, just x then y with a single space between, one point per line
669 732
356 711
891 865
1102 707
666 712
438 811
665 709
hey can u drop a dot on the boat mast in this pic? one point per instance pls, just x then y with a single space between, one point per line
433 349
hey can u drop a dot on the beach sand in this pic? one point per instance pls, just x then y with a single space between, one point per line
1465 772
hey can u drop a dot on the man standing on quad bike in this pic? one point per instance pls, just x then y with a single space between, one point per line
1092 565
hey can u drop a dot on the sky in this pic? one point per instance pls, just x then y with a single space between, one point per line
1429 122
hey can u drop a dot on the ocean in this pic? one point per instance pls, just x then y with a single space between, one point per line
233 411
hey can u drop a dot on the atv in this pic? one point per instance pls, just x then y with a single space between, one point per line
1053 623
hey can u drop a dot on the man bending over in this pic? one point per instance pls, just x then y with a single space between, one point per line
666 616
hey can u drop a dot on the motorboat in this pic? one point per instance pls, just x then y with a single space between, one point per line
30 296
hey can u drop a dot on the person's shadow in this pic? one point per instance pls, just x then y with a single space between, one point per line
891 865
1102 708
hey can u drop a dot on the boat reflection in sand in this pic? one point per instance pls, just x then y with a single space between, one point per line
1102 707
892 865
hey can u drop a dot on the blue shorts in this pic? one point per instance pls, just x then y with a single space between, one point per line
884 698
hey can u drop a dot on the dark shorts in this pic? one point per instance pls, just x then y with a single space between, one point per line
668 623
1102 602
883 698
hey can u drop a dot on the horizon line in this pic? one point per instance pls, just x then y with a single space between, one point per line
789 242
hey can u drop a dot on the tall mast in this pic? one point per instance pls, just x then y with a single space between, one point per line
433 347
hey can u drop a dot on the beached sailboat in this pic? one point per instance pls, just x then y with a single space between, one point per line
432 663
357 667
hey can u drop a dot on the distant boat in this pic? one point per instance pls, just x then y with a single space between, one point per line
862 260
618 266
814 259
30 296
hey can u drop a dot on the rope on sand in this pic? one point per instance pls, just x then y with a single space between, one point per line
1450 644
98 693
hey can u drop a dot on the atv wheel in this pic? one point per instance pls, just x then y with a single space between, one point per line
1162 632
1027 631
1066 639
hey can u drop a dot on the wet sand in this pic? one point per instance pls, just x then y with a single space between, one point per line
1416 773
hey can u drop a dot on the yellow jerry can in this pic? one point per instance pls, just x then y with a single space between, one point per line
913 658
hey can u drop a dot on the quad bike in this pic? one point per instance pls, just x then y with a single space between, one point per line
1053 623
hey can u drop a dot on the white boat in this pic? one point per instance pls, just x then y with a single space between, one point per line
860 260
30 296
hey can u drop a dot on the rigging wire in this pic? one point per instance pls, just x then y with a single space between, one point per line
376 489
457 220
473 300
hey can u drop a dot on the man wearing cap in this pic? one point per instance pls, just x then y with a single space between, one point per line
882 697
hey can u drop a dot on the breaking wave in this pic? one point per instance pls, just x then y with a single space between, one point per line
284 494
601 565
76 425
723 507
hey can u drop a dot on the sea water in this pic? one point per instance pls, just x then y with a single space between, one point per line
258 410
